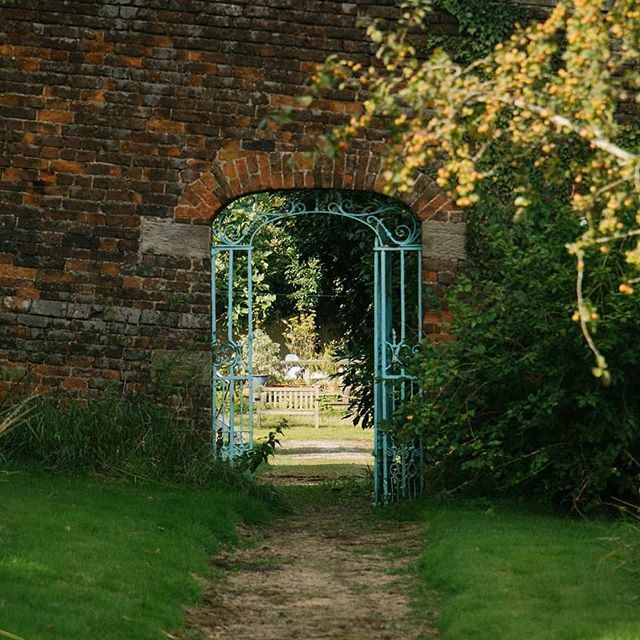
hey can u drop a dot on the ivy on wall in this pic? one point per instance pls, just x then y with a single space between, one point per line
481 25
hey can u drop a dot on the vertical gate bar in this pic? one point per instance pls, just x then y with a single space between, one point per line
420 442
239 416
384 336
389 305
214 257
420 285
404 491
230 295
384 320
403 319
214 331
250 342
232 387
376 375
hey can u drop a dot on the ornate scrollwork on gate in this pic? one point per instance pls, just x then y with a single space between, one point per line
238 224
404 477
226 354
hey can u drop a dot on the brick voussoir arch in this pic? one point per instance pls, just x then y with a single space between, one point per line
208 187
236 172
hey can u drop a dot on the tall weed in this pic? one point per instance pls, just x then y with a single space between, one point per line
14 414
121 436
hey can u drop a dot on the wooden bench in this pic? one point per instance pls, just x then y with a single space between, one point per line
299 401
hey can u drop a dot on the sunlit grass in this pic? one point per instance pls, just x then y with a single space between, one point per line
330 470
337 443
82 558
301 461
508 573
332 426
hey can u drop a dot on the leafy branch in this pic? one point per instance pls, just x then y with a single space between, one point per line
558 81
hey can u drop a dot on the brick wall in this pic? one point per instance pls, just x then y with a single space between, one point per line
125 126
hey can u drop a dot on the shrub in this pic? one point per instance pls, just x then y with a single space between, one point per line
266 354
511 403
301 335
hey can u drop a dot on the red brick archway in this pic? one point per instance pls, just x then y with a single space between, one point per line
236 172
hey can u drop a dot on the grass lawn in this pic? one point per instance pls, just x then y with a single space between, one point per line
332 426
82 558
302 470
334 433
508 573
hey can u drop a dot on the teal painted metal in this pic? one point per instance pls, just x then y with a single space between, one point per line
232 352
399 468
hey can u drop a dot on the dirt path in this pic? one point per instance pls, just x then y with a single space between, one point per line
331 570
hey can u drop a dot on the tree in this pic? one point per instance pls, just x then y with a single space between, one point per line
283 282
557 82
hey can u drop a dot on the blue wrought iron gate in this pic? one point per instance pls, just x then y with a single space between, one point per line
399 467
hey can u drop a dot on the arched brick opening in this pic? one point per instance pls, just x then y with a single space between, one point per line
209 187
126 127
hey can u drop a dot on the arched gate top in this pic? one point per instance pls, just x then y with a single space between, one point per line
391 222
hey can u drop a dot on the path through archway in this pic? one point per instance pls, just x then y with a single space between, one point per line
332 569
396 253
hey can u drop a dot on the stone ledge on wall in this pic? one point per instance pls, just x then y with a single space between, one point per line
443 240
172 239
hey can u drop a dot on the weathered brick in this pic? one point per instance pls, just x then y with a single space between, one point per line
190 321
129 127
50 308
80 311
127 314
110 268
10 272
65 166
46 115
75 384
15 303
133 282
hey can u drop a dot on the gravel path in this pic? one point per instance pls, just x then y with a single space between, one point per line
355 452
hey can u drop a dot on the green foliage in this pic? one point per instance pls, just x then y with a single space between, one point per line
177 382
266 354
626 543
263 449
125 437
304 277
301 335
121 436
86 558
510 571
563 79
284 282
481 25
345 248
12 415
510 402
318 272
